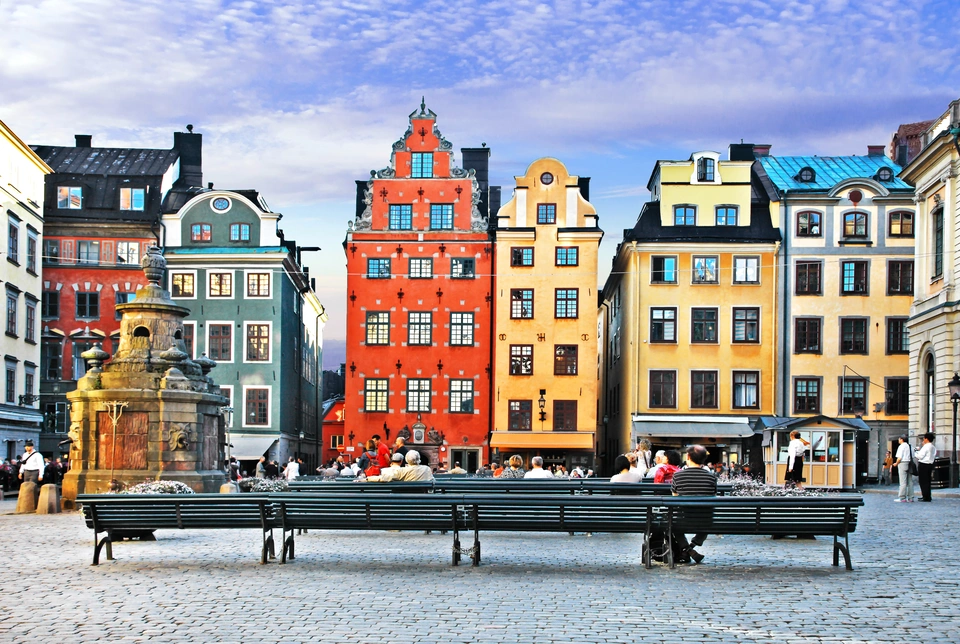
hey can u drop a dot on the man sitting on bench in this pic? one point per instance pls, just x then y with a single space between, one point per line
693 480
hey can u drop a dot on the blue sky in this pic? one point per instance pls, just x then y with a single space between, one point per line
299 99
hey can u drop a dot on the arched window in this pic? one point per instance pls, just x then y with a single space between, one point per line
855 224
705 169
808 224
928 420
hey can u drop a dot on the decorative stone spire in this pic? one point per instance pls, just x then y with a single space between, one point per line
153 265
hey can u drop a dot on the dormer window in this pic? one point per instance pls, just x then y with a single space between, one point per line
705 169
69 197
684 216
132 198
884 174
806 175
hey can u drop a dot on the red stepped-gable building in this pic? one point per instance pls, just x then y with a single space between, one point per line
419 301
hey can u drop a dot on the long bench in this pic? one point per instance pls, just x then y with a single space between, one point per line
119 514
480 485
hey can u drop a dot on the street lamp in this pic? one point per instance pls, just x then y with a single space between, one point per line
227 413
543 406
954 386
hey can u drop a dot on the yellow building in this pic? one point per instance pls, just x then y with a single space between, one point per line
545 349
689 312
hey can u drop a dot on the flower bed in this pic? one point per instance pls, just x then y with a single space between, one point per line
747 486
158 487
263 485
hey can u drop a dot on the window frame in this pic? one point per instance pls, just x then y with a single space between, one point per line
747 325
901 224
803 268
419 332
375 268
894 393
89 296
562 305
377 326
659 273
13 313
715 386
30 320
864 335
464 328
131 199
564 358
853 381
125 253
461 396
816 396
420 263
45 304
122 297
66 195
240 227
246 341
192 274
706 170
806 322
892 323
755 385
855 225
88 245
564 411
191 347
268 406
201 232
864 279
519 415
895 267
727 207
260 275
689 213
805 229
662 386
519 256
220 275
400 214
463 262
748 259
707 271
694 322
546 214
421 165
663 323
210 341
566 256
372 390
422 397
521 360
517 311
938 228
13 241
51 251
442 216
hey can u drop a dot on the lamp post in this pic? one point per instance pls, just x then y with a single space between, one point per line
227 424
542 401
954 386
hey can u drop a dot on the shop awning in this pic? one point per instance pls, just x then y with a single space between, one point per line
250 448
542 440
692 428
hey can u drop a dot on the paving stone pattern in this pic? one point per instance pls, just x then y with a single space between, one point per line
386 587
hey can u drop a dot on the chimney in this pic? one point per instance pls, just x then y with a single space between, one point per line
84 140
478 160
584 183
190 147
876 150
740 152
762 150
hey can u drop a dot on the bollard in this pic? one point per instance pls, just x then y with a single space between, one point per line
229 488
27 501
49 500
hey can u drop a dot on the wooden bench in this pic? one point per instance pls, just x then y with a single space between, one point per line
116 514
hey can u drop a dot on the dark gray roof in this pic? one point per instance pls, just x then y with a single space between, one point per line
125 162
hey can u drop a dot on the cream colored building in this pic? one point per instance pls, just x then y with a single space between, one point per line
545 349
21 201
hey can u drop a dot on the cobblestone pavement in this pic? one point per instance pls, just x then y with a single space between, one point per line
208 586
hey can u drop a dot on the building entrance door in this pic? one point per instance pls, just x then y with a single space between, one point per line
469 459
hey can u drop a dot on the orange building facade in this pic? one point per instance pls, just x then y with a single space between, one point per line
419 301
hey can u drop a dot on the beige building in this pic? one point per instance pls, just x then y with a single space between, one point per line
545 349
21 200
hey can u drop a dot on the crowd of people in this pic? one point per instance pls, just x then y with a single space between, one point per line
31 466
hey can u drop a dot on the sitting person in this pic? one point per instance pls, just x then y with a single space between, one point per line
538 472
387 474
514 468
457 469
414 471
659 459
624 473
666 471
693 480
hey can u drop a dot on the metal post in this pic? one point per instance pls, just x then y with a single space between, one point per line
953 455
114 409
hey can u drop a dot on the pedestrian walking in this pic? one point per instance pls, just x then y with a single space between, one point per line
886 474
903 463
925 457
795 451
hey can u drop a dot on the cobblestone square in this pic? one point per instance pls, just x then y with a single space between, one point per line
208 586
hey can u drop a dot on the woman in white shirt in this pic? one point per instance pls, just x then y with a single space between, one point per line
795 451
925 457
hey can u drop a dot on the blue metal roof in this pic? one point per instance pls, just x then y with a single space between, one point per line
223 250
829 171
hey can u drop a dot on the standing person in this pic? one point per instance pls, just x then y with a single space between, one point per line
383 452
51 473
904 457
886 474
31 464
925 457
292 469
693 480
644 457
400 447
273 470
261 472
795 451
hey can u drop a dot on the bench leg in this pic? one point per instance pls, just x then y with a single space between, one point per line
267 548
97 547
288 544
669 535
843 548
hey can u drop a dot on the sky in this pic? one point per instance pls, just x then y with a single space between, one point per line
300 99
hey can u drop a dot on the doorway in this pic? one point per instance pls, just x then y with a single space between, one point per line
469 459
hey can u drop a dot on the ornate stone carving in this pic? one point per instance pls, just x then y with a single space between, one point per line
404 433
386 173
434 436
365 220
96 357
444 145
178 438
153 265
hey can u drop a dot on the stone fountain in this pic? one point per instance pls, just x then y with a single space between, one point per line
151 412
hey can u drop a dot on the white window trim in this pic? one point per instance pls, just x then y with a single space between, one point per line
693 270
269 389
270 281
716 168
733 388
228 392
140 245
676 388
269 346
690 384
233 340
733 276
194 325
233 284
182 272
740 305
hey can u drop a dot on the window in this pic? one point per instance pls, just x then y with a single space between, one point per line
239 232
336 442
855 224
441 216
854 276
704 328
566 302
807 175
705 270
565 360
938 243
901 224
418 394
189 335
568 256
898 340
12 313
378 269
88 252
663 325
461 396
122 297
28 381
88 305
900 277
806 395
220 343
853 395
463 268
727 215
182 285
521 359
30 332
703 389
50 360
13 242
684 216
420 328
546 213
258 342
79 364
746 389
378 328
257 406
705 169
898 396
132 198
50 305
421 268
853 335
808 224
375 394
51 251
807 335
461 329
564 415
663 389
69 197
258 284
808 278
128 253
201 232
746 324
521 303
663 270
220 284
401 217
11 388
521 257
746 270
521 415
421 165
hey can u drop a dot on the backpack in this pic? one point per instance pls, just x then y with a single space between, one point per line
373 469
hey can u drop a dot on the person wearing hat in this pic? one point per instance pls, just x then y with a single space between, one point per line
32 465
389 473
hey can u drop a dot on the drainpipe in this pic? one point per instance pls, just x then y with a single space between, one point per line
787 300
490 353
